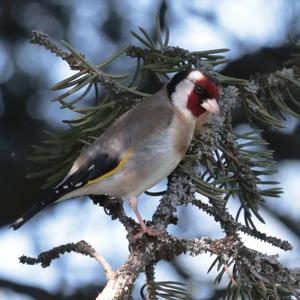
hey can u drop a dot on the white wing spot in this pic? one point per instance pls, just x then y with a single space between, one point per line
56 191
78 184
91 167
65 187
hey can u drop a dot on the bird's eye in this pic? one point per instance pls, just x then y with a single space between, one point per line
200 90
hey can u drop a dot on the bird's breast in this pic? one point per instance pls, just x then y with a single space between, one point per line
183 130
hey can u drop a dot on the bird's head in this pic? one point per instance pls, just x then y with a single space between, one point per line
194 93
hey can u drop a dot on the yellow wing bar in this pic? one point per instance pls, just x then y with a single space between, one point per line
121 164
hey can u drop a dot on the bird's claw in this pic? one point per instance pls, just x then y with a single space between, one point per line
150 230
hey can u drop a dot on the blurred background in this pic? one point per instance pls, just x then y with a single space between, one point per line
256 31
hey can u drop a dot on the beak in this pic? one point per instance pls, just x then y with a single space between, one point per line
211 105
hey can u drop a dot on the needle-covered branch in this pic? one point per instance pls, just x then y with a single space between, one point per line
221 164
77 61
147 251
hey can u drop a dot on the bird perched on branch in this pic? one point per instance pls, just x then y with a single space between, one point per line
141 147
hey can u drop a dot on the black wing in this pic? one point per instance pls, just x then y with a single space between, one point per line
91 164
88 170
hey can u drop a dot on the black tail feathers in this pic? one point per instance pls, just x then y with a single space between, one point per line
37 207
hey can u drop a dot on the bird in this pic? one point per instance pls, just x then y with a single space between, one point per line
142 147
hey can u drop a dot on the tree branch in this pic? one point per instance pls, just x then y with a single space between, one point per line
233 171
82 247
77 61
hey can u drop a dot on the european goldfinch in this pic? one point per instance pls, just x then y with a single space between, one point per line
141 147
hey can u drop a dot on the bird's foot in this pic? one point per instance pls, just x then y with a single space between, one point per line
150 230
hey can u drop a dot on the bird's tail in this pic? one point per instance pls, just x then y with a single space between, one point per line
48 199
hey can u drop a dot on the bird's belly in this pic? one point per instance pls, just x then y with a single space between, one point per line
137 176
149 175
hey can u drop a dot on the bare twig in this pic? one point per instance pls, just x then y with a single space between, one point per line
150 278
106 266
82 247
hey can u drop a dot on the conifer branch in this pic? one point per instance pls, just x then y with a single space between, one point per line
233 163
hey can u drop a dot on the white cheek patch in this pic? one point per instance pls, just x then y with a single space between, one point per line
181 94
